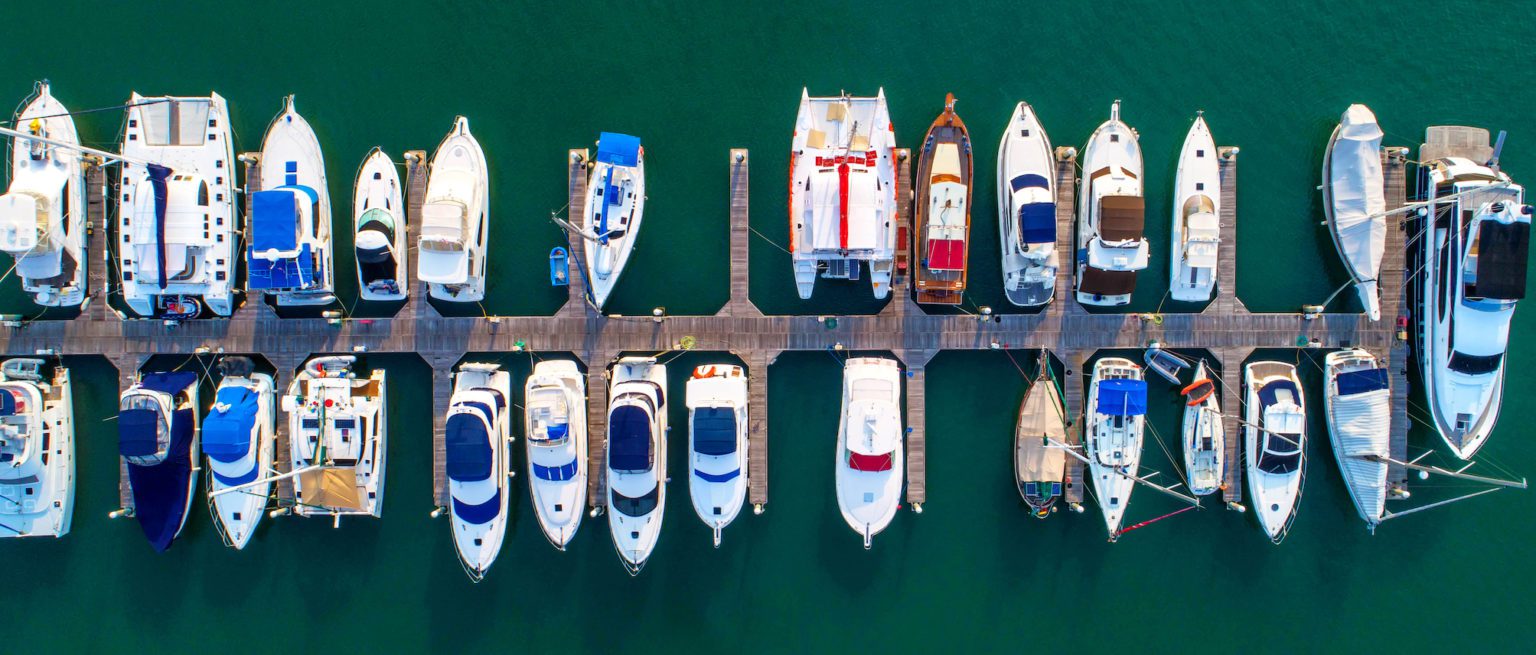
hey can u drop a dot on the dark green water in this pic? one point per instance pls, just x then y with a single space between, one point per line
973 571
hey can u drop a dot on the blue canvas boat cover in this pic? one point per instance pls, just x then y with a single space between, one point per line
284 272
1029 181
714 431
160 491
555 473
227 434
136 433
157 176
1122 397
168 382
618 149
469 448
1354 382
718 477
1037 222
274 220
7 404
1269 393
629 439
478 514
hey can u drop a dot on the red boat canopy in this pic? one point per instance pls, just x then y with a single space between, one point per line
870 462
946 254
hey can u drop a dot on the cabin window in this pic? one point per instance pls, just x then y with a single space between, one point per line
202 194
1475 364
638 506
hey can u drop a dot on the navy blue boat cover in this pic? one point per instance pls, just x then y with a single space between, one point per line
136 434
1122 397
227 434
618 149
1037 222
157 177
714 431
160 491
555 473
7 404
1354 382
721 477
629 439
469 448
478 514
171 383
1268 394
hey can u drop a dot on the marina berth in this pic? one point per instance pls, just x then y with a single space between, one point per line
637 458
37 450
555 413
42 213
379 230
158 438
1357 402
1039 439
240 440
1113 429
1111 239
1354 201
337 431
1204 435
290 252
1196 230
611 213
716 395
943 207
479 461
1026 210
870 456
1274 444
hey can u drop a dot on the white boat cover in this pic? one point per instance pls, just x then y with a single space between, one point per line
1202 237
1361 426
1355 186
873 426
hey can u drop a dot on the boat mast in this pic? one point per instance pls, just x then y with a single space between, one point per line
1052 443
1393 515
107 157
1429 468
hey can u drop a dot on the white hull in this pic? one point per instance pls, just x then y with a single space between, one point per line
1112 166
558 388
37 499
236 514
717 480
290 155
1360 430
638 385
1204 442
1029 269
1354 199
478 538
1113 445
1274 494
378 188
606 258
870 427
50 258
358 399
459 183
1197 204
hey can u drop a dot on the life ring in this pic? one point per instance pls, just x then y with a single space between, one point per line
1197 386
703 372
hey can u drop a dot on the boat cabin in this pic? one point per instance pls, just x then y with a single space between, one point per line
281 256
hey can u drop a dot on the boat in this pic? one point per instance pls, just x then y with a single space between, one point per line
1205 438
1472 272
1196 206
451 253
1039 461
559 267
1354 201
1357 400
1164 363
177 233
240 440
1026 210
42 213
290 252
1116 416
1274 443
37 450
477 437
337 427
556 445
157 436
1111 237
842 192
637 458
870 459
944 176
611 211
716 396
379 230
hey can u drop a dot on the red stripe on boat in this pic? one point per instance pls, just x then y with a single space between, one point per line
842 197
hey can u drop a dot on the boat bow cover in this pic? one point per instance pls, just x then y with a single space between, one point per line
1122 397
1037 222
1355 185
629 439
1502 254
137 433
227 430
171 383
714 431
619 149
469 448
160 491
1362 381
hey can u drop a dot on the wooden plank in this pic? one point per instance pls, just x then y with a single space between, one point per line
1227 301
900 279
1231 360
597 430
96 274
1066 232
917 442
740 303
1072 396
442 395
1394 301
757 431
418 170
576 193
285 366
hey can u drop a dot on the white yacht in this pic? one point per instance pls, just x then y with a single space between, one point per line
455 216
611 213
1274 443
842 191
379 230
177 231
1472 260
1196 206
42 214
337 431
289 255
555 414
1205 438
478 435
717 443
157 436
1111 237
637 458
1357 400
870 459
37 450
1026 210
240 440
1354 201
1116 417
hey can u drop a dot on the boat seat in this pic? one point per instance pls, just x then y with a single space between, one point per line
817 140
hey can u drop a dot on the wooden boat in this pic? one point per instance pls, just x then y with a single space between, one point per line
943 209
1039 467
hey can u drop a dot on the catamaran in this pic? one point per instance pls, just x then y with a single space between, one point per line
1026 210
1039 466
455 219
870 460
637 458
337 427
37 450
157 433
1111 241
716 396
290 252
556 427
1196 231
944 172
1354 201
379 230
42 214
1117 407
1357 401
478 433
1205 438
240 440
1274 443
842 191
612 210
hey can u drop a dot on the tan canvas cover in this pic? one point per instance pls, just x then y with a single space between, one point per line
1040 416
333 487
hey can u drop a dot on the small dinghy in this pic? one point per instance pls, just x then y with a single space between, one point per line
1039 466
559 267
1204 435
240 440
37 450
1165 363
379 229
1354 201
717 443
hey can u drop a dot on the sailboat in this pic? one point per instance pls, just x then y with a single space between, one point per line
451 256
290 252
1026 210
1205 449
555 401
478 432
1039 468
842 192
240 440
1111 239
1274 443
870 461
379 230
42 214
1354 201
612 210
157 435
1117 407
944 172
37 450
637 458
716 396
1357 400
1196 230
337 427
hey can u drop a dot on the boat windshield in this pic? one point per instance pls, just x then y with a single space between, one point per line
1282 453
1475 364
637 506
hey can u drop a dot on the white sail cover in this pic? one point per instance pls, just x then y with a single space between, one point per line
1358 200
1361 427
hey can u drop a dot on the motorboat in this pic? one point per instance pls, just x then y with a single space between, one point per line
157 436
1205 438
555 399
637 458
870 460
42 214
240 440
1196 228
37 450
611 211
337 431
1357 400
379 230
1111 237
477 438
842 192
1114 422
1026 210
1274 443
716 396
1039 461
1355 202
177 234
290 252
945 169
451 254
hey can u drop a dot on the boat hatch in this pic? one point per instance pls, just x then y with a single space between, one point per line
714 431
1499 256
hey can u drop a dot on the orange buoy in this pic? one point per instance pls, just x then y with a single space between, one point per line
704 372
